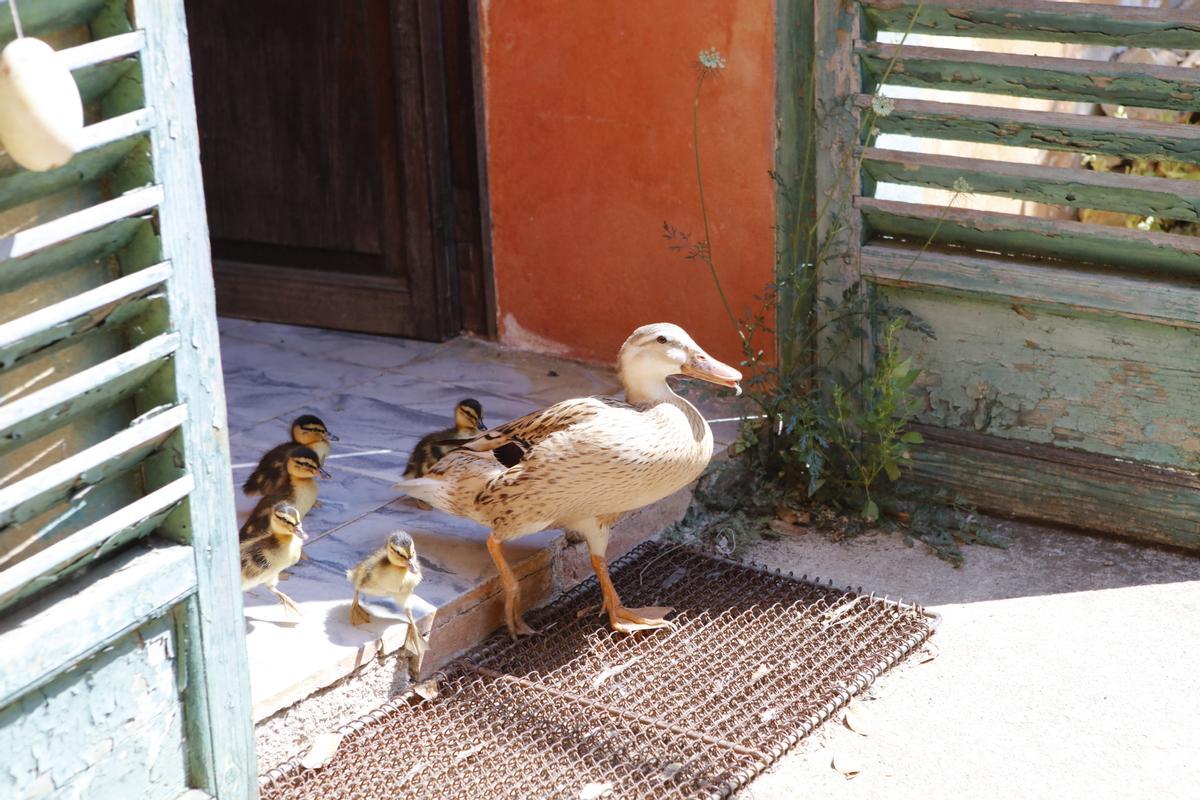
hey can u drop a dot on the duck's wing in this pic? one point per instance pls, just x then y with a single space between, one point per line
513 441
271 471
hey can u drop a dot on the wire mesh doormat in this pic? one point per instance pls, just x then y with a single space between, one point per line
757 661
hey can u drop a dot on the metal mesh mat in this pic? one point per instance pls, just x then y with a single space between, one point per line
757 660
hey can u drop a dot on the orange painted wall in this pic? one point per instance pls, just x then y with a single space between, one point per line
589 149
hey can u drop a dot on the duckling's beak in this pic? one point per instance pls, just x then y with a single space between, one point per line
480 426
703 366
330 437
324 473
300 532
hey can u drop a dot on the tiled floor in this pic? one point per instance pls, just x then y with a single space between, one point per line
379 395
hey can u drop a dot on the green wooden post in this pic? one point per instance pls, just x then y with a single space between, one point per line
839 227
219 729
795 160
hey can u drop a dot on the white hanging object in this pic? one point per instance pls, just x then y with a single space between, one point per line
41 113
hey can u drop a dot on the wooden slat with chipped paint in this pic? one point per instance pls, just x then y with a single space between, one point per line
1041 21
30 496
99 51
1071 378
116 596
105 383
47 235
96 541
82 312
1045 130
1050 78
1146 196
1050 485
1127 248
1175 303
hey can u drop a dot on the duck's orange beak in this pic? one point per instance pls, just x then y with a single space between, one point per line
703 366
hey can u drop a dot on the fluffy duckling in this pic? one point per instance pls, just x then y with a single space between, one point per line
300 485
392 570
271 474
269 544
468 423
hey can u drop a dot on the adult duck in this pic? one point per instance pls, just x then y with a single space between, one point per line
581 464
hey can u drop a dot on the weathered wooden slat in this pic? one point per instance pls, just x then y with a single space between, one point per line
1145 196
1144 251
85 614
1046 130
23 244
114 130
77 314
45 16
103 384
1041 21
22 186
75 238
1054 485
101 50
217 700
96 541
95 82
81 250
1138 85
1154 299
27 498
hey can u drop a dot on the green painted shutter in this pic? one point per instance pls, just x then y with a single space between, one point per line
1062 384
122 654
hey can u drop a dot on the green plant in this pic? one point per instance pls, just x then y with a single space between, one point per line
828 422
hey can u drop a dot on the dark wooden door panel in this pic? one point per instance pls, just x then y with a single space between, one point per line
323 142
289 95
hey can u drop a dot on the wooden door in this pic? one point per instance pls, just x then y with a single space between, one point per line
323 144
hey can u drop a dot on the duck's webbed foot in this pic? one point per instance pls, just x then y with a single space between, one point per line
358 614
626 620
517 626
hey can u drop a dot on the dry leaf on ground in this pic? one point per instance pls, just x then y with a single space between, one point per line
763 671
470 751
594 790
847 765
608 672
427 690
324 748
787 528
858 719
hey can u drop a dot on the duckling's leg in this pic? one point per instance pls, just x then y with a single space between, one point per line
623 620
291 608
512 591
358 614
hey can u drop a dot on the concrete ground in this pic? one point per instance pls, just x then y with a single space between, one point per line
1066 666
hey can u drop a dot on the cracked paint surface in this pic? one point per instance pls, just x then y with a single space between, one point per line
1103 384
110 728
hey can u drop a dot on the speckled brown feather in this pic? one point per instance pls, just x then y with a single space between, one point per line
589 458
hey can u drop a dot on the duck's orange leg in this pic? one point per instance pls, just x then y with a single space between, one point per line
512 591
626 620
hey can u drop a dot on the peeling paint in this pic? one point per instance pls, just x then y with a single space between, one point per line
1103 384
110 728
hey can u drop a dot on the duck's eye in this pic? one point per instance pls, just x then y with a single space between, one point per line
662 340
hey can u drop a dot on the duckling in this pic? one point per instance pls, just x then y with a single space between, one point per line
271 474
468 423
269 544
391 570
300 487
